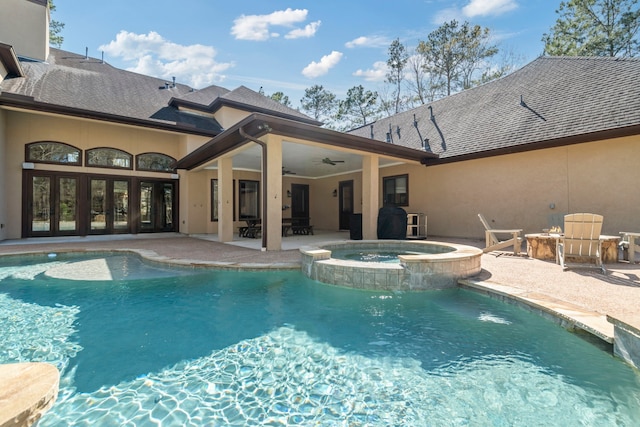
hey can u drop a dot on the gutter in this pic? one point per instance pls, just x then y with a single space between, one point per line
264 183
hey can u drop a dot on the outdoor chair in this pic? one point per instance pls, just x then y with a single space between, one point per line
581 239
493 243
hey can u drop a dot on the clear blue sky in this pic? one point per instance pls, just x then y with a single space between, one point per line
284 46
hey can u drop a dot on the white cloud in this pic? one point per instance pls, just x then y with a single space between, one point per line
308 31
327 62
475 8
377 74
257 27
363 41
152 55
488 7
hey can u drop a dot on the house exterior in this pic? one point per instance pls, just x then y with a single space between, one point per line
86 148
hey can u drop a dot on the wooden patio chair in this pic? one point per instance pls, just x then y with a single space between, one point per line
493 243
581 239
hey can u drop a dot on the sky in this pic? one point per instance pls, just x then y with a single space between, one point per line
284 46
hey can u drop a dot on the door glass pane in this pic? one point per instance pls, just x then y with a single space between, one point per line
146 204
347 198
167 204
120 205
98 204
249 199
41 209
67 220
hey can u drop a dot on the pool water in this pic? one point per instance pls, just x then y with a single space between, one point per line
371 255
200 347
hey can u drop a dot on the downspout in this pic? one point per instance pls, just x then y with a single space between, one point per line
264 183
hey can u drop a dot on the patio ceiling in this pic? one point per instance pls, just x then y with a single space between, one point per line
304 161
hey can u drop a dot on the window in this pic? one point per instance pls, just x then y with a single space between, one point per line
214 200
249 192
155 162
109 158
396 190
52 152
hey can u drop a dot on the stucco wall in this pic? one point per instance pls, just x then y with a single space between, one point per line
530 190
23 128
26 28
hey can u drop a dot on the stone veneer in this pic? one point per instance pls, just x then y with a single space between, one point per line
414 272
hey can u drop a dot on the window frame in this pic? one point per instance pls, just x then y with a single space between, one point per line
117 150
398 200
28 158
153 153
240 198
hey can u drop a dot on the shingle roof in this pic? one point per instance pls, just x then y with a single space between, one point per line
90 85
561 97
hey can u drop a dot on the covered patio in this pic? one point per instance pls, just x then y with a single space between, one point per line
300 168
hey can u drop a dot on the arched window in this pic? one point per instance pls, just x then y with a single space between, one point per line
53 152
155 162
109 158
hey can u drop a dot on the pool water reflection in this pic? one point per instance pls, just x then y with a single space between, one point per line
203 347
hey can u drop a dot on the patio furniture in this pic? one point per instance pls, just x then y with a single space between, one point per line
301 226
252 229
628 245
581 239
493 243
544 246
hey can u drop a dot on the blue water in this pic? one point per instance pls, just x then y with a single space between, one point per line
162 346
371 255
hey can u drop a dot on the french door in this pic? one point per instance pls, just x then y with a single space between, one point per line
61 204
52 205
109 205
156 206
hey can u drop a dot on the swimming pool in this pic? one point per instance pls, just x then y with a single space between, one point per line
156 345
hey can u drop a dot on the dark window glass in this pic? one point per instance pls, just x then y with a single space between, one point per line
156 162
214 200
396 190
53 152
249 198
109 158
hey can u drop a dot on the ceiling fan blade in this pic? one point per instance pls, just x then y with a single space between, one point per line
328 161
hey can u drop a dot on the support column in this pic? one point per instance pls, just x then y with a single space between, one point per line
225 199
370 196
273 188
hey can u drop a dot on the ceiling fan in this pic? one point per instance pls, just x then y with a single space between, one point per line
287 171
328 161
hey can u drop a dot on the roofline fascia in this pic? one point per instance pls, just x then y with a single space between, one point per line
28 103
231 139
221 102
10 60
545 144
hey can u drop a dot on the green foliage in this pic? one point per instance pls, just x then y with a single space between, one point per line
396 63
55 28
359 108
595 28
455 52
319 103
281 98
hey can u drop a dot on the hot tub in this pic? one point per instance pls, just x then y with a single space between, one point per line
420 265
